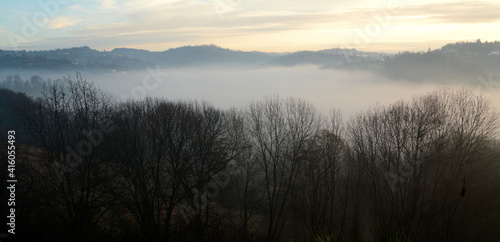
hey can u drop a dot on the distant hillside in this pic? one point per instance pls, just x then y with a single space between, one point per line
77 58
435 65
458 62
477 48
196 55
80 58
461 61
31 86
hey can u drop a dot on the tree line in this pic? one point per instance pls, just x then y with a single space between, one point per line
424 169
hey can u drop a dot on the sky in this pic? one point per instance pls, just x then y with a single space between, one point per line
272 26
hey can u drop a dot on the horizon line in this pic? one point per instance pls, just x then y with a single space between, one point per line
218 46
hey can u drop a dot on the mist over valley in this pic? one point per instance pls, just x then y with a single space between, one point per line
346 79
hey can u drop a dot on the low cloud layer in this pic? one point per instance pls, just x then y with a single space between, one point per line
348 91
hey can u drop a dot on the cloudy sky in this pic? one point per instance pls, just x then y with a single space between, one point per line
271 25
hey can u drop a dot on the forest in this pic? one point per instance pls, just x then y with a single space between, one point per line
91 168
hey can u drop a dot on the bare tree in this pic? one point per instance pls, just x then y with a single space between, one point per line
138 155
414 156
280 132
170 157
69 124
246 181
317 203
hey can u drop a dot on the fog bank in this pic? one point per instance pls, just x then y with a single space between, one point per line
349 91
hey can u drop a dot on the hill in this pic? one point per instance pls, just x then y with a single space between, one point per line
460 61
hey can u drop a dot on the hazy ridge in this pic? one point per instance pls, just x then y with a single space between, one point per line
460 61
